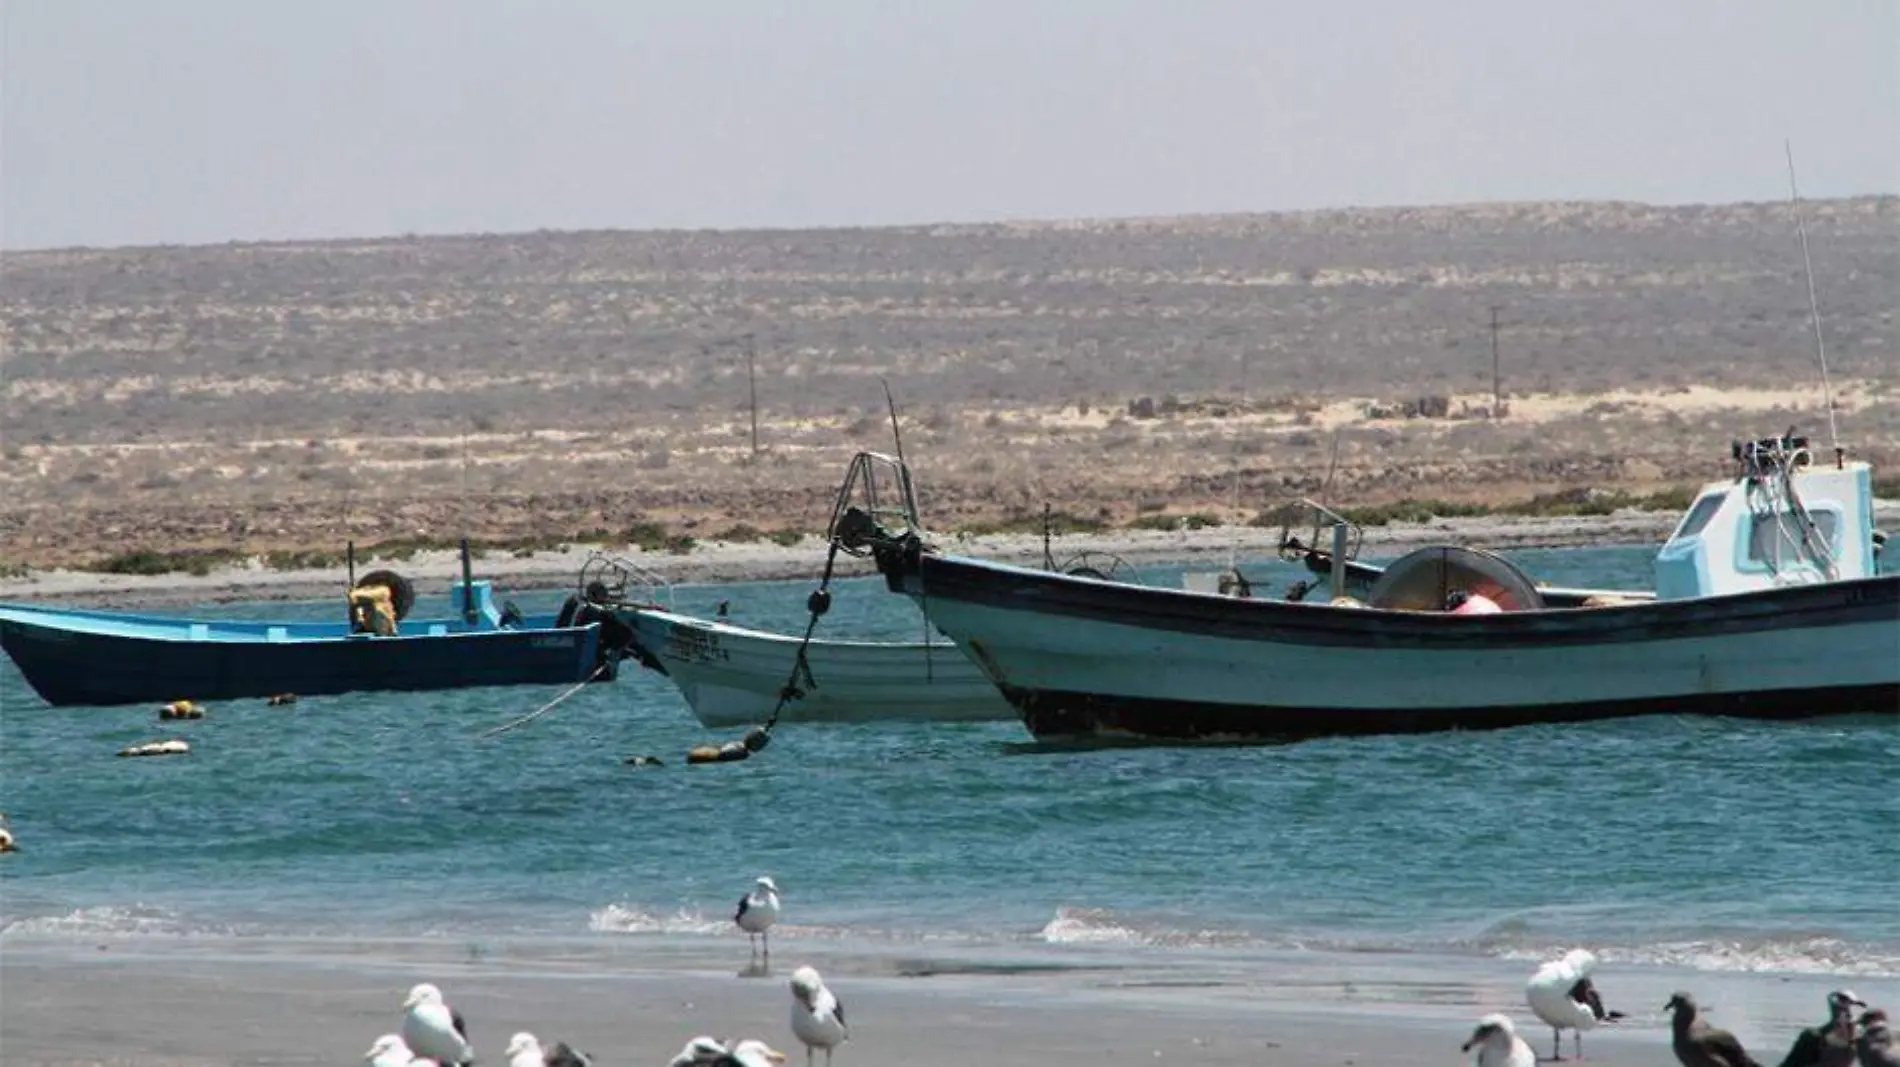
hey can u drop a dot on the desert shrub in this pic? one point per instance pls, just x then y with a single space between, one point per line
647 536
302 559
1198 520
1409 510
194 561
785 538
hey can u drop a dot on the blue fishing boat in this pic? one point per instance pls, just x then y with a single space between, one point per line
83 657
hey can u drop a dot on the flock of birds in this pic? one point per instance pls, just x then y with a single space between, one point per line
1562 996
1560 993
433 1034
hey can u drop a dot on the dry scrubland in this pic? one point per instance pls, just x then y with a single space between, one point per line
539 387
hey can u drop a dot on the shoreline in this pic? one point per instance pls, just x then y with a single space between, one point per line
637 999
723 562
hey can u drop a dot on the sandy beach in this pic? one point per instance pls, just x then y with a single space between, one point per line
172 1004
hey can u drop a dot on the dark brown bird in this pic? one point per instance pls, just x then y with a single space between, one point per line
1875 1043
1830 1044
1698 1044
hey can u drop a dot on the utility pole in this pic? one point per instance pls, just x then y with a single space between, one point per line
752 391
1497 388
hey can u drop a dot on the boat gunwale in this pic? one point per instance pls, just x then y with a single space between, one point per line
1008 587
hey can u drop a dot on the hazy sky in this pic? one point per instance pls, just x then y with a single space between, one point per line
140 121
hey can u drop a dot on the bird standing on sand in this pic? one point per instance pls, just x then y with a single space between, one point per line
1562 995
1698 1044
1498 1044
817 1014
758 910
389 1051
433 1030
1875 1043
1830 1044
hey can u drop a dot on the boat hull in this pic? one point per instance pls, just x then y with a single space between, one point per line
100 658
732 675
1084 659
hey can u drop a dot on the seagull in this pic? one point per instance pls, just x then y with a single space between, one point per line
1498 1044
753 1053
389 1051
1698 1044
565 1055
1562 995
433 1030
525 1051
1875 1043
817 1016
1830 1044
758 910
701 1051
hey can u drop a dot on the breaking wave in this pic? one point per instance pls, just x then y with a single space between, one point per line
1101 926
110 920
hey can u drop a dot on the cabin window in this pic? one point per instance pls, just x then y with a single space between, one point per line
1699 515
1776 537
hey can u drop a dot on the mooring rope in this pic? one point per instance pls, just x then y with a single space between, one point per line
549 706
818 603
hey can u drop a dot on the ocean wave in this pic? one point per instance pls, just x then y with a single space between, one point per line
1102 926
623 919
109 920
1779 955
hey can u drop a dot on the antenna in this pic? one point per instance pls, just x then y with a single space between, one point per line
752 392
1814 307
897 438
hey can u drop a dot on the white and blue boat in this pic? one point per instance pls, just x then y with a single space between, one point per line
1767 603
74 657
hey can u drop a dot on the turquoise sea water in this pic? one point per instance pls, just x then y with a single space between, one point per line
1703 842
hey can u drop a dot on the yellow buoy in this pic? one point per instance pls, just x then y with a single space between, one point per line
182 709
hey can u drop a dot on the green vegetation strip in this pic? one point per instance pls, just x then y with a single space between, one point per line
650 536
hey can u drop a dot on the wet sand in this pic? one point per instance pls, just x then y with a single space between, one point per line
211 1001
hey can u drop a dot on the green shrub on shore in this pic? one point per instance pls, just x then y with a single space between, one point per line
1198 520
1059 522
196 562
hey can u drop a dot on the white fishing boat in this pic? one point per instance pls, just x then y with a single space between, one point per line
1767 604
733 675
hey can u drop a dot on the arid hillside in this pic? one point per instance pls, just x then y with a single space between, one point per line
549 385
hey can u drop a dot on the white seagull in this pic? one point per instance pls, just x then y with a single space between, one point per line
1562 995
817 1015
755 1053
758 910
700 1051
389 1051
433 1030
1498 1044
525 1051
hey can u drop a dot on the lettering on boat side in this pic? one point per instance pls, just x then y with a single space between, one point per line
700 646
552 642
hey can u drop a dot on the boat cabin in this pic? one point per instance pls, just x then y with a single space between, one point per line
1782 520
